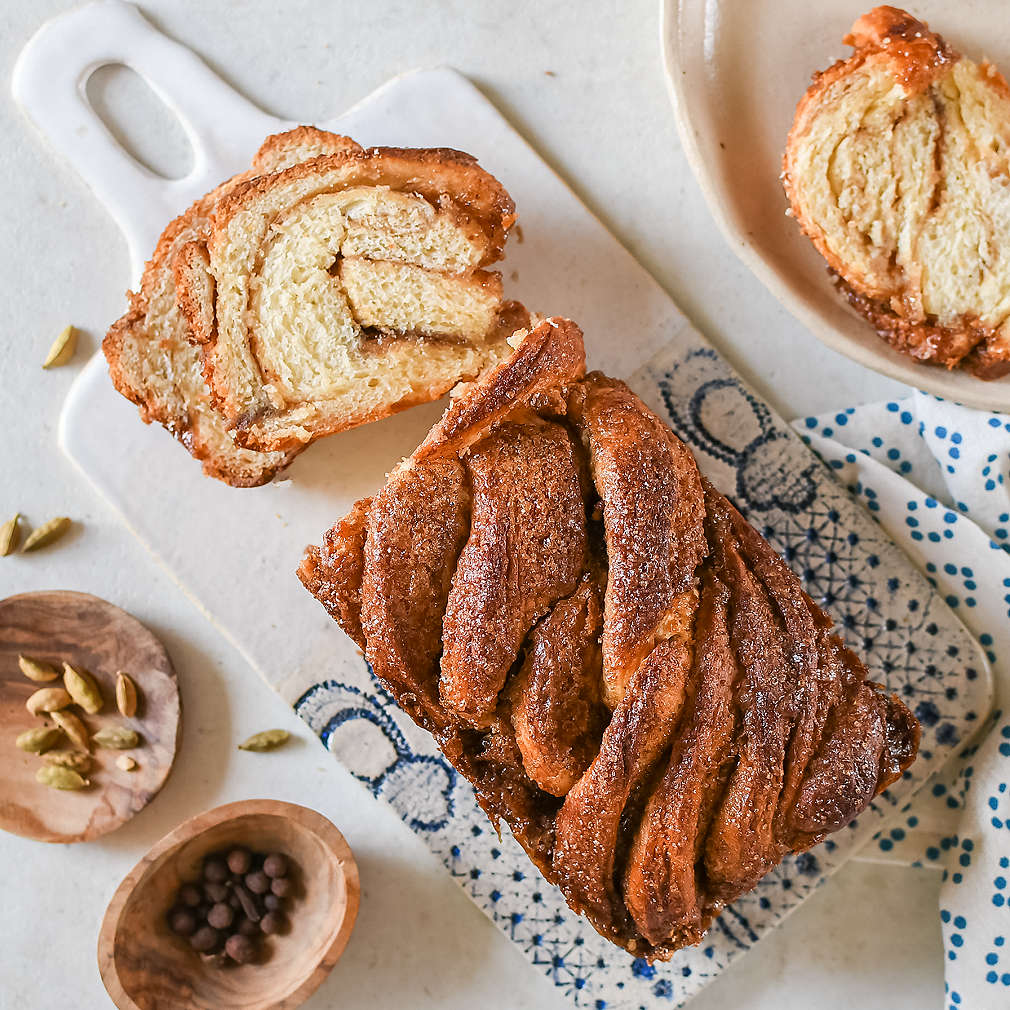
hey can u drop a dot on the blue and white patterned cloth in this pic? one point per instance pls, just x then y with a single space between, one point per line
937 477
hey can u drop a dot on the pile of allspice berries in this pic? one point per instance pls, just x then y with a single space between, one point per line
63 741
240 898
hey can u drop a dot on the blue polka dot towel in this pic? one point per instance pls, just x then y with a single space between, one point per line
937 477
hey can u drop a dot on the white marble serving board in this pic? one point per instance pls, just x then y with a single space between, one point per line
234 551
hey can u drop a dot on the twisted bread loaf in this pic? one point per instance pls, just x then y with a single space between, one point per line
898 169
626 672
151 359
346 288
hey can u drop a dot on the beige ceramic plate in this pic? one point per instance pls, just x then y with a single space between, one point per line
736 70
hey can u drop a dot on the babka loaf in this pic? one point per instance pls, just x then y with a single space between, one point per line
627 673
346 288
151 358
898 169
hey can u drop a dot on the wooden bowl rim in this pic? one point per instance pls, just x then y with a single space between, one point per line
319 825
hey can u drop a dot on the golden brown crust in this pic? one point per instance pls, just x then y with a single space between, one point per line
282 150
931 343
914 55
556 710
888 291
744 730
526 551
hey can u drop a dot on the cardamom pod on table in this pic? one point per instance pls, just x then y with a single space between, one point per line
48 533
74 728
268 739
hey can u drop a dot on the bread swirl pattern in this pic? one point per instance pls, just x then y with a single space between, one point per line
897 168
345 288
657 739
151 358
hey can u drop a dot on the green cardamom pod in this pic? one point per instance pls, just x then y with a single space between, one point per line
48 533
63 348
57 777
82 688
9 535
75 759
268 739
116 738
126 695
48 699
35 669
39 740
73 727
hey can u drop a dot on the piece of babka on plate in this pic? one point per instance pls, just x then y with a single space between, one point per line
897 168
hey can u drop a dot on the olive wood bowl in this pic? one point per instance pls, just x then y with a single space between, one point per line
147 967
96 636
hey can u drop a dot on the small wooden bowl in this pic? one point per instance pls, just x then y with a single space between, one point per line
146 967
102 639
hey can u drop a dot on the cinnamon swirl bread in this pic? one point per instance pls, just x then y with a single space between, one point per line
151 359
346 288
627 673
364 297
898 170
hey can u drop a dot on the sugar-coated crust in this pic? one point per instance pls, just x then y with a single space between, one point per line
474 582
282 150
917 58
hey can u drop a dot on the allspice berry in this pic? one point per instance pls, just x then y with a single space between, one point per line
239 948
220 916
257 882
215 870
240 861
216 893
281 886
240 896
205 940
190 895
182 921
275 865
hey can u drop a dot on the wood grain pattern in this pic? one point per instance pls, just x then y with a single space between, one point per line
95 635
146 967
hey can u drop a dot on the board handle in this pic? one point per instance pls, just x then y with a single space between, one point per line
49 83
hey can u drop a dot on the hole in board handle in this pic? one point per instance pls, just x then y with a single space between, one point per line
140 121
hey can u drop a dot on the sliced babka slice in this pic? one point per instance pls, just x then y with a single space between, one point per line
347 288
898 170
151 358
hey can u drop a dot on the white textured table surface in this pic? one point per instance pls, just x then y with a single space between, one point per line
601 118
